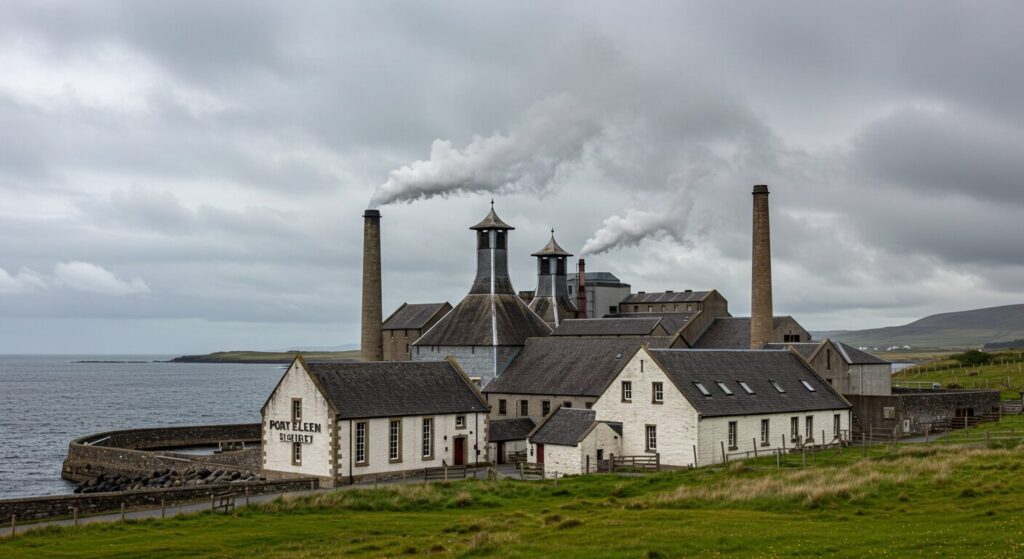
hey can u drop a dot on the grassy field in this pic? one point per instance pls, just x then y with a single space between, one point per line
1006 374
916 501
267 357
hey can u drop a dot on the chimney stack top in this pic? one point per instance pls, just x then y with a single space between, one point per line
371 213
760 189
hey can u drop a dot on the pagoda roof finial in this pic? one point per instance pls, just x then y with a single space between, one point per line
492 221
552 248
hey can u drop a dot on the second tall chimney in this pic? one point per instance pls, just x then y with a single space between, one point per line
762 319
581 289
371 347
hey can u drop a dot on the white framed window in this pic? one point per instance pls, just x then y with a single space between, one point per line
657 392
836 423
732 435
723 387
361 434
746 387
765 432
460 422
296 454
809 428
807 385
627 391
794 428
296 410
395 440
652 437
428 438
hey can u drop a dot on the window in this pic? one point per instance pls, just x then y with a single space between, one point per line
652 438
746 387
828 359
641 365
703 390
794 428
732 435
483 240
807 385
296 409
395 440
777 387
361 443
524 408
428 438
501 240
589 405
888 412
650 308
836 422
613 310
545 408
791 338
566 404
636 308
723 387
627 391
809 428
765 432
502 407
460 422
296 454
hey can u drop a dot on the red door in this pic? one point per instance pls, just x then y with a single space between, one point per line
460 452
540 454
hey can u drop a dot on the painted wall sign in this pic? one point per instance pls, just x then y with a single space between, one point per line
294 431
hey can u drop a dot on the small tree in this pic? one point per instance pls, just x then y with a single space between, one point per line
972 358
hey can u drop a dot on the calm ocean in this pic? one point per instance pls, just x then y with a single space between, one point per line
45 401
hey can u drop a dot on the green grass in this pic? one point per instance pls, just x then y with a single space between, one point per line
1006 375
918 501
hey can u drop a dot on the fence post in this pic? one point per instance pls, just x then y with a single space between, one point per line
988 442
778 459
556 479
864 443
588 463
213 502
163 509
694 456
522 476
725 459
783 436
74 512
122 511
754 440
445 476
375 477
14 524
803 455
611 462
657 461
246 496
927 428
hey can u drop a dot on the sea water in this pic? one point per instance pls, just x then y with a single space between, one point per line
46 401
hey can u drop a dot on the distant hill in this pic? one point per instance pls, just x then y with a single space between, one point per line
952 330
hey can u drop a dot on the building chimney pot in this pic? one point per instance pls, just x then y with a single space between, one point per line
371 346
762 327
581 289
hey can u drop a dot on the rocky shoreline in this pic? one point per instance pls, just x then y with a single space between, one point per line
165 478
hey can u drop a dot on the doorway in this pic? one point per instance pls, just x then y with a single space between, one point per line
540 453
460 451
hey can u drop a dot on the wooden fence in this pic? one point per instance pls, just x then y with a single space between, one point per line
444 473
530 469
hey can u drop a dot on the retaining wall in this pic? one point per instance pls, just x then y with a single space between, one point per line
34 508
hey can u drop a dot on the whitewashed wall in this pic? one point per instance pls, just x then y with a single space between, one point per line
316 456
411 444
715 430
558 459
602 437
535 404
675 419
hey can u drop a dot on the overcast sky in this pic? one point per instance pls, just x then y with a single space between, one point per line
190 176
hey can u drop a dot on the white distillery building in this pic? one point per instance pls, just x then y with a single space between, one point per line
572 441
342 421
693 406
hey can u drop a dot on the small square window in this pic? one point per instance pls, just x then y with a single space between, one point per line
502 407
657 392
566 404
545 408
460 422
627 391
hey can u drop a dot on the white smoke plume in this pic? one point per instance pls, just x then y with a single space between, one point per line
668 220
551 134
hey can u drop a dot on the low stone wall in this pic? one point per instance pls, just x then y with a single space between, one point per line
35 508
911 410
136 450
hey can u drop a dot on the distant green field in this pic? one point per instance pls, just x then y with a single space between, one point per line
267 356
916 501
1006 374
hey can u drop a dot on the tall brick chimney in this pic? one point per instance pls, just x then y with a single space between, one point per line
371 347
762 319
581 289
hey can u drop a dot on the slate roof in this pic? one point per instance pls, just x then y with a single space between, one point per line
608 327
805 349
390 389
469 323
413 316
544 307
492 221
855 356
568 366
552 249
566 427
665 297
730 333
757 368
671 321
511 429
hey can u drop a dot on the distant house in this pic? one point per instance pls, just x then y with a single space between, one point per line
507 438
343 421
407 324
571 441
847 369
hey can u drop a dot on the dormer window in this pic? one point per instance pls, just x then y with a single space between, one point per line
723 387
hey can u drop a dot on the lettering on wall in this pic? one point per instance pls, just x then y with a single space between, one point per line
294 431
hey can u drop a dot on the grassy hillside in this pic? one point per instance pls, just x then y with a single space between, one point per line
267 356
955 330
917 501
1002 371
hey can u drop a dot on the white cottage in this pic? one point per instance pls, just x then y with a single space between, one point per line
571 441
342 421
693 406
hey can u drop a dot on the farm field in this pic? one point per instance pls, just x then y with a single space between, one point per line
918 500
1005 373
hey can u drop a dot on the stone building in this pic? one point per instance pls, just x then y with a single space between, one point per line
407 324
603 292
551 299
506 438
693 406
734 333
571 441
849 370
491 324
612 327
342 421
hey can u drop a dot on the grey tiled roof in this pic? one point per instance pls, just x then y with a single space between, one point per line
492 221
568 366
855 356
566 426
552 249
671 321
608 327
390 389
730 333
413 316
511 429
806 350
757 368
665 297
469 323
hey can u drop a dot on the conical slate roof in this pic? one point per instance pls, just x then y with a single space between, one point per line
470 323
552 248
492 221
